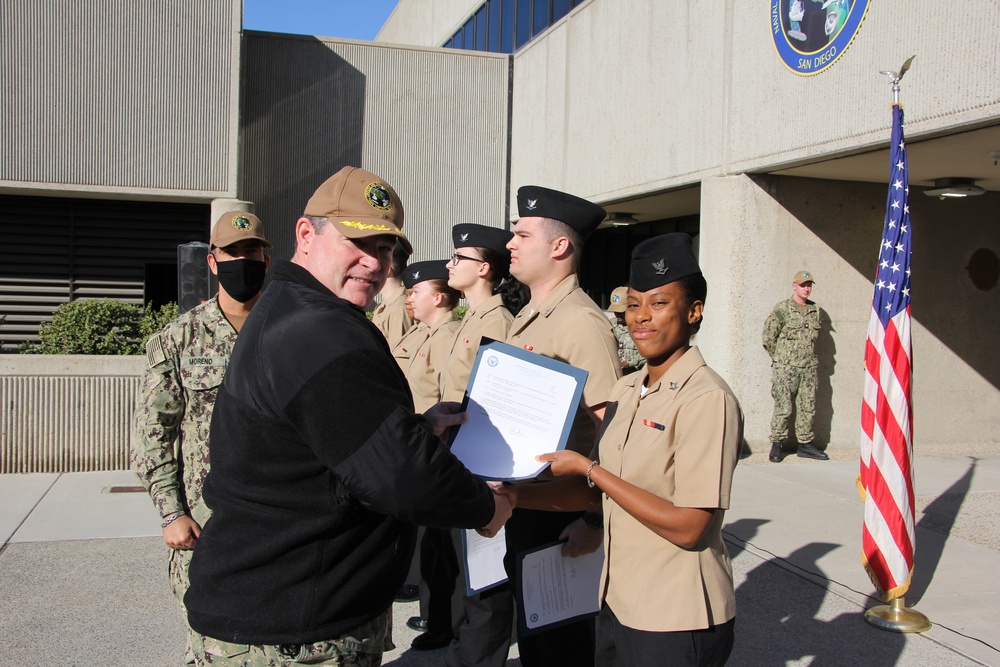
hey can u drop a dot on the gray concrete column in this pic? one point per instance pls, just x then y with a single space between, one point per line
220 206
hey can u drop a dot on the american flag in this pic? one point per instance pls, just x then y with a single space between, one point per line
886 414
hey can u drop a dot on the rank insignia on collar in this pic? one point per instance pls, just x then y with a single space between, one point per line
673 385
660 267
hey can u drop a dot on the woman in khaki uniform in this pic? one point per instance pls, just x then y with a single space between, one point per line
667 452
480 269
433 303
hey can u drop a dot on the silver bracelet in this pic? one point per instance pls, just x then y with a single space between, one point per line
173 518
590 469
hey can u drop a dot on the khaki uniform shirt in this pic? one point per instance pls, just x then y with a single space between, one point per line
790 334
427 366
391 319
187 361
569 327
680 441
406 348
490 319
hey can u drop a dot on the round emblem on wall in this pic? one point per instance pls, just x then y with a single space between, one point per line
242 223
810 35
378 196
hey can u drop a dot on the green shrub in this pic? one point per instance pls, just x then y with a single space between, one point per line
154 319
99 326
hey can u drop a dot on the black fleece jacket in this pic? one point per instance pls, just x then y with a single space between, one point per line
320 472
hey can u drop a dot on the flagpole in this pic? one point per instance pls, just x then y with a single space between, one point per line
895 616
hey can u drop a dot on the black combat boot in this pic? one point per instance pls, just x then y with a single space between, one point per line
808 451
775 455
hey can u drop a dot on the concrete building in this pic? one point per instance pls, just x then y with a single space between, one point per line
122 127
691 116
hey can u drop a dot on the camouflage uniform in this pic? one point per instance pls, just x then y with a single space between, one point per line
790 333
628 353
363 647
187 360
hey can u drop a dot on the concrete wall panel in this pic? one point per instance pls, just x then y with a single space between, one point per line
777 117
427 22
621 98
431 122
125 99
833 229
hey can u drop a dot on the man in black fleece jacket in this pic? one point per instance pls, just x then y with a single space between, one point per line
320 468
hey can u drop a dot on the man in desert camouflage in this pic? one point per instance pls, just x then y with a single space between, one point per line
187 360
790 334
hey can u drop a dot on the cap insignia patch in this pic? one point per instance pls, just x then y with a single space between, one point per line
416 275
463 237
378 196
661 267
805 274
532 204
242 223
616 299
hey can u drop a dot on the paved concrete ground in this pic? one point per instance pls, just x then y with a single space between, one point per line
83 571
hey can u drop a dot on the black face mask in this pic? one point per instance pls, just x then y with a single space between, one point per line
241 278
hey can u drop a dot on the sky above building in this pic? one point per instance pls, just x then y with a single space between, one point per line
351 19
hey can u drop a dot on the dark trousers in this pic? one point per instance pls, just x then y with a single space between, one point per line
572 644
438 567
481 624
619 646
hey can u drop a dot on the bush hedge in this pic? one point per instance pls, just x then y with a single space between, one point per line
99 326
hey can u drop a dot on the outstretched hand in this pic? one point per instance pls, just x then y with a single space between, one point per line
565 462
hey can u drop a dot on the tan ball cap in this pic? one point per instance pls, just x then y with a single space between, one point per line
618 298
235 226
360 204
803 277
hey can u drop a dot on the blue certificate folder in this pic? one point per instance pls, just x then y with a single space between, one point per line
528 411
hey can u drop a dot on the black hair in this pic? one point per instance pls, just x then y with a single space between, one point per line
514 293
695 289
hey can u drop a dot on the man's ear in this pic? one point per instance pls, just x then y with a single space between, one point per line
561 247
305 231
213 263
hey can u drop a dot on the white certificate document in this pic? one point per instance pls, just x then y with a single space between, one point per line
519 405
556 589
484 561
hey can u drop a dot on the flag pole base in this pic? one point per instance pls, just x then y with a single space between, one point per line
895 617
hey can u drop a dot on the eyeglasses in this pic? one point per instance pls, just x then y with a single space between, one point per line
456 258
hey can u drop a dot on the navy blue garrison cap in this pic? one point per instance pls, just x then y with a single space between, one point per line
580 214
418 272
471 235
661 260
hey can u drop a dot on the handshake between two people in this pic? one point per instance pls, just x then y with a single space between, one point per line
581 539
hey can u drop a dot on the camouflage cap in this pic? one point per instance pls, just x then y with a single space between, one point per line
359 204
618 298
235 226
803 277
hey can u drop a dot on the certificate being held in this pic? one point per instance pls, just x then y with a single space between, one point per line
519 405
